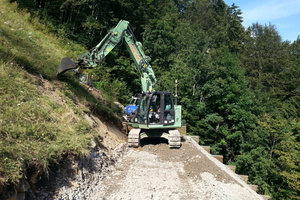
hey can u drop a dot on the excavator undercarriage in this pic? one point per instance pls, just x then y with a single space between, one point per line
136 135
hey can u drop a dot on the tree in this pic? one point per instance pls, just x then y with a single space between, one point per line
223 23
159 36
227 115
287 153
271 157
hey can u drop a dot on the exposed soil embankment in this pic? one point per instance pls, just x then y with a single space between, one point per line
78 179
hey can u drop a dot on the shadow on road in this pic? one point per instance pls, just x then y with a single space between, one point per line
153 141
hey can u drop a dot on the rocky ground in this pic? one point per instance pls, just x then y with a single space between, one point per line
152 171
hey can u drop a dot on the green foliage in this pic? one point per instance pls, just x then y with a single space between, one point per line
228 104
221 22
273 162
272 70
117 76
260 168
268 66
159 36
287 153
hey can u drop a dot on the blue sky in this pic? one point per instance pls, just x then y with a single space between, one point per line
284 14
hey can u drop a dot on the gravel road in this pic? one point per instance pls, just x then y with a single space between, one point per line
154 171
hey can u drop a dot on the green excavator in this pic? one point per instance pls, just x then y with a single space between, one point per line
156 114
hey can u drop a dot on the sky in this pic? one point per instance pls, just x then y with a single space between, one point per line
284 14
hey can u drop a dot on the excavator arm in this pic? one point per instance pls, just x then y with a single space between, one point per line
96 55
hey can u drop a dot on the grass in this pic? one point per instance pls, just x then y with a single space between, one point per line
36 130
26 41
34 127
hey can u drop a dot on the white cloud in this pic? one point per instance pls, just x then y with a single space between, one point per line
270 10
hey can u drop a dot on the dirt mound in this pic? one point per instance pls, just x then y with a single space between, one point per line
108 135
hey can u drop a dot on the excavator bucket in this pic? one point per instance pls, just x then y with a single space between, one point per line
65 65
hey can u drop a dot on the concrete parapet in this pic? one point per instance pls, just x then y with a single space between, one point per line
244 178
195 138
232 167
241 179
219 158
182 130
254 187
265 197
206 148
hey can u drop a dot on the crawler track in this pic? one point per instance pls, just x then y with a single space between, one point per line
134 137
174 139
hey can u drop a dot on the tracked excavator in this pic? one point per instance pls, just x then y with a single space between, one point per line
156 115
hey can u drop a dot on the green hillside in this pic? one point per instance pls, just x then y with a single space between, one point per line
41 118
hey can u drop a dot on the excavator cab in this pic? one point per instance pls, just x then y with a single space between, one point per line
156 116
155 108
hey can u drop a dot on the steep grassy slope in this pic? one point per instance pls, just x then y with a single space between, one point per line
37 129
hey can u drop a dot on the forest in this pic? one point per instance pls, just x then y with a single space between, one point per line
239 86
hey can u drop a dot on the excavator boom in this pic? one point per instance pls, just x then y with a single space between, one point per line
96 55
